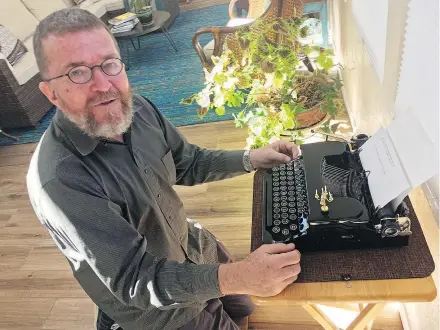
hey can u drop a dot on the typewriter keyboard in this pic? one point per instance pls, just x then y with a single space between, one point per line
289 202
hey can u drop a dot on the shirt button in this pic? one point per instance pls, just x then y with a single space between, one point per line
158 195
146 171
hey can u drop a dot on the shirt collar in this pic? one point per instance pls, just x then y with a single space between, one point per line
84 143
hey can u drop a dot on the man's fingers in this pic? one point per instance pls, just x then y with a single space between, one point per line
288 148
277 248
290 280
288 258
290 271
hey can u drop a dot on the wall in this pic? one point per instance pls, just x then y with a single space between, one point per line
370 104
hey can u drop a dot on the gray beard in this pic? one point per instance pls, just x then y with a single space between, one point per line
87 123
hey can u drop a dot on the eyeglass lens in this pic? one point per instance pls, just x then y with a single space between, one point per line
83 74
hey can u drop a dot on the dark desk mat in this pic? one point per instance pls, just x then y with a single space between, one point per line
414 260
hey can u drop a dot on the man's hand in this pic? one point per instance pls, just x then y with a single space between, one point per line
274 154
264 273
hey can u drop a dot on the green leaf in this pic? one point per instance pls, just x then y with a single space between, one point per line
278 79
187 101
220 110
334 127
220 78
201 112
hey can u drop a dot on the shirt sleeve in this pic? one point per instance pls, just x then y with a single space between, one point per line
196 165
90 230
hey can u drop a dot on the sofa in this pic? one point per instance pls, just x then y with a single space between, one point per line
21 102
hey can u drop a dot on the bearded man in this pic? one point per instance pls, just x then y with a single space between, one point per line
101 182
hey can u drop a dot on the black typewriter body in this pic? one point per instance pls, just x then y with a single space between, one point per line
321 201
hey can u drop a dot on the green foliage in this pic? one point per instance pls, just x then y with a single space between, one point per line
264 81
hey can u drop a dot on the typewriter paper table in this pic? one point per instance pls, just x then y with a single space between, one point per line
375 293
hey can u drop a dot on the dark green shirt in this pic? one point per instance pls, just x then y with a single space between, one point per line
112 211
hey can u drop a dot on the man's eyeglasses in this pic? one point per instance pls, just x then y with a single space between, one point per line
83 74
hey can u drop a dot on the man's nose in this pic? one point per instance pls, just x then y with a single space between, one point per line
100 82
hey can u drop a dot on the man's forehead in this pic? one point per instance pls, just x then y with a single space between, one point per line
79 47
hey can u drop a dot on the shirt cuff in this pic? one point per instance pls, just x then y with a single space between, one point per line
204 279
235 161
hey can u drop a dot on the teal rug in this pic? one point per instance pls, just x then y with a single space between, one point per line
159 73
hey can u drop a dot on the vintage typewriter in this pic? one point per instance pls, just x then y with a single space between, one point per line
321 201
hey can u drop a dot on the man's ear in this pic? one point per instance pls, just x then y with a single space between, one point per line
49 92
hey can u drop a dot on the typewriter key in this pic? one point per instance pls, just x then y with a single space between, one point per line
292 210
292 204
276 229
275 178
283 193
283 188
284 209
292 193
284 203
291 198
284 198
291 184
285 221
276 216
293 227
277 222
292 217
284 215
285 231
300 203
282 172
283 178
276 210
275 188
275 169
276 204
289 172
276 199
276 184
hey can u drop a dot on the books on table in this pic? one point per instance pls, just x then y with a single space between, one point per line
121 19
125 27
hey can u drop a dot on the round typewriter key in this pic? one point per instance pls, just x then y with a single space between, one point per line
276 194
284 215
284 198
292 193
291 184
276 210
276 216
283 188
300 210
283 193
293 226
275 188
277 222
285 231
282 172
284 209
275 169
285 221
276 204
289 172
290 177
283 178
292 210
276 229
275 178
276 199
284 203
275 183
300 203
292 204
292 217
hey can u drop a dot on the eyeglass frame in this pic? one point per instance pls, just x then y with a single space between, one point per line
91 70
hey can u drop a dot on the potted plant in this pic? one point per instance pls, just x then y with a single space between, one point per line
143 11
265 80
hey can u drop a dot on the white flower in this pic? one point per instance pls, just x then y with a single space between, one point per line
269 80
204 100
219 98
273 139
250 140
230 83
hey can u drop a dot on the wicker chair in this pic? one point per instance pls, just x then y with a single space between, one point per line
224 35
20 105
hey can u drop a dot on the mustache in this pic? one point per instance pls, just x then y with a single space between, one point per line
104 97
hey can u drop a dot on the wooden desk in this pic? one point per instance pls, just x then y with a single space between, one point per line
374 293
